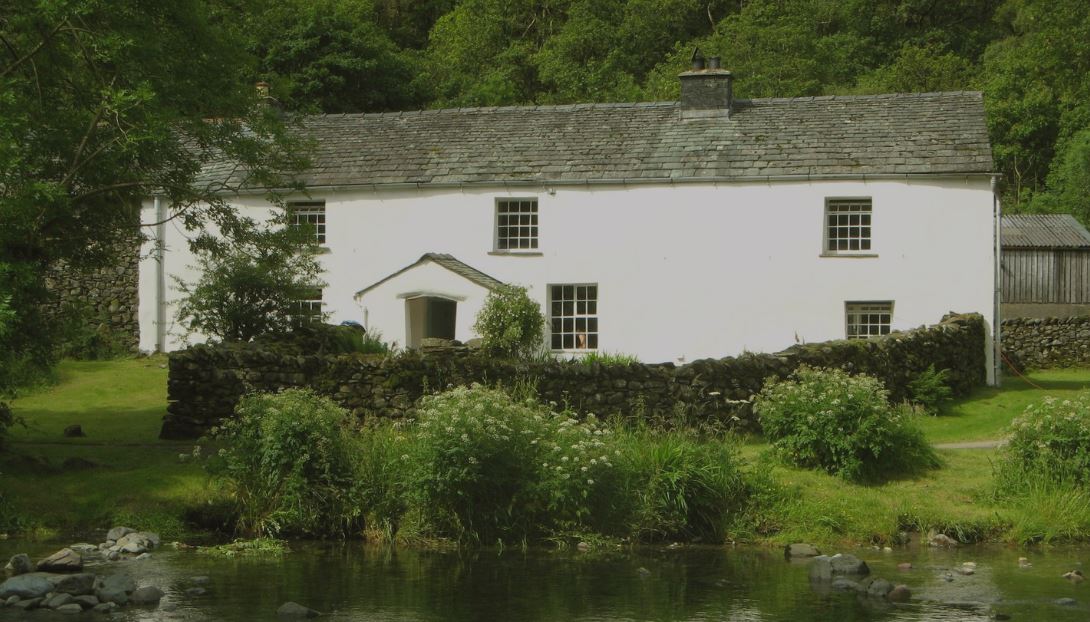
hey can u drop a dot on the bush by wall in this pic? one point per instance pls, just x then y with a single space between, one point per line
844 425
207 381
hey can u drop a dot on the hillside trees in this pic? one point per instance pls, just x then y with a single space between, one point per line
104 103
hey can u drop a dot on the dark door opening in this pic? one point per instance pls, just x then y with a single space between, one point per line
430 316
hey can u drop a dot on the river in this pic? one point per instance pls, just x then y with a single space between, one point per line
356 582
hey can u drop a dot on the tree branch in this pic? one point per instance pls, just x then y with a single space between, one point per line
41 44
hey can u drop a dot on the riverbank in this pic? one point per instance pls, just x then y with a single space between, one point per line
121 473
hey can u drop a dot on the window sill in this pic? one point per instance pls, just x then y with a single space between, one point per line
517 253
850 255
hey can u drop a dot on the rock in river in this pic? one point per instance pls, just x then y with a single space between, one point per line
26 586
64 560
826 568
20 564
295 610
800 550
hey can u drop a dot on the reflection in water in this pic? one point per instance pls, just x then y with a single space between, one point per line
354 582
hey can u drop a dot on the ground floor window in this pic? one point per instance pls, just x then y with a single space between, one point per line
308 309
868 319
573 316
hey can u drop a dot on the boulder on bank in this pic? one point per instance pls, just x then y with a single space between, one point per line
26 586
826 568
295 610
942 540
117 533
64 560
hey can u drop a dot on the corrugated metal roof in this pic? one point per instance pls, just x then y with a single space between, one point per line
910 134
1043 231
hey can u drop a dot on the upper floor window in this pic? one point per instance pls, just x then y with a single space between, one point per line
868 319
516 224
573 317
847 226
309 214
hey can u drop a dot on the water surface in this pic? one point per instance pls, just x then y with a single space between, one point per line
355 582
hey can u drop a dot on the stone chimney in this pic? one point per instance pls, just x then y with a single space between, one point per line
706 89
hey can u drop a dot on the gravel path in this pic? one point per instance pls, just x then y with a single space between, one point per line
972 445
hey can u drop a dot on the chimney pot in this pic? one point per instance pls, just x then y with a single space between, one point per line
713 62
697 60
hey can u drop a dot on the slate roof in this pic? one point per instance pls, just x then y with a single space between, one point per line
1055 231
847 136
450 263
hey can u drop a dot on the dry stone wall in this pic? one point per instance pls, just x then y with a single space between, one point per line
207 381
1047 342
106 296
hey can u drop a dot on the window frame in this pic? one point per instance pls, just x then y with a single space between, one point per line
311 310
848 312
535 238
592 336
825 239
316 207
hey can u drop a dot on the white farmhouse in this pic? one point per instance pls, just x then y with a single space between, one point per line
671 230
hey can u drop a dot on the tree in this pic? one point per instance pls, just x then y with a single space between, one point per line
1036 83
331 56
253 283
104 103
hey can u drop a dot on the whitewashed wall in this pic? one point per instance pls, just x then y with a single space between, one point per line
684 271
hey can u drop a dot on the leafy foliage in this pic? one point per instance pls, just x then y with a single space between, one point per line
330 55
289 460
251 285
931 389
842 424
1049 443
95 117
510 323
488 468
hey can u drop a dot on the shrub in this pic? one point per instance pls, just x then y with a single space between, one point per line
931 389
842 424
487 468
1049 443
317 338
510 323
289 460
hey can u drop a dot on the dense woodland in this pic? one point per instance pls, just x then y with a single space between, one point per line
106 102
1031 58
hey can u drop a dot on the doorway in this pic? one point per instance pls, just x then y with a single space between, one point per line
429 316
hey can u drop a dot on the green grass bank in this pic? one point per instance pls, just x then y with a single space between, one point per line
120 472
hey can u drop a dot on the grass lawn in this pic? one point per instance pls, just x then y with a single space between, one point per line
984 414
140 481
135 478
